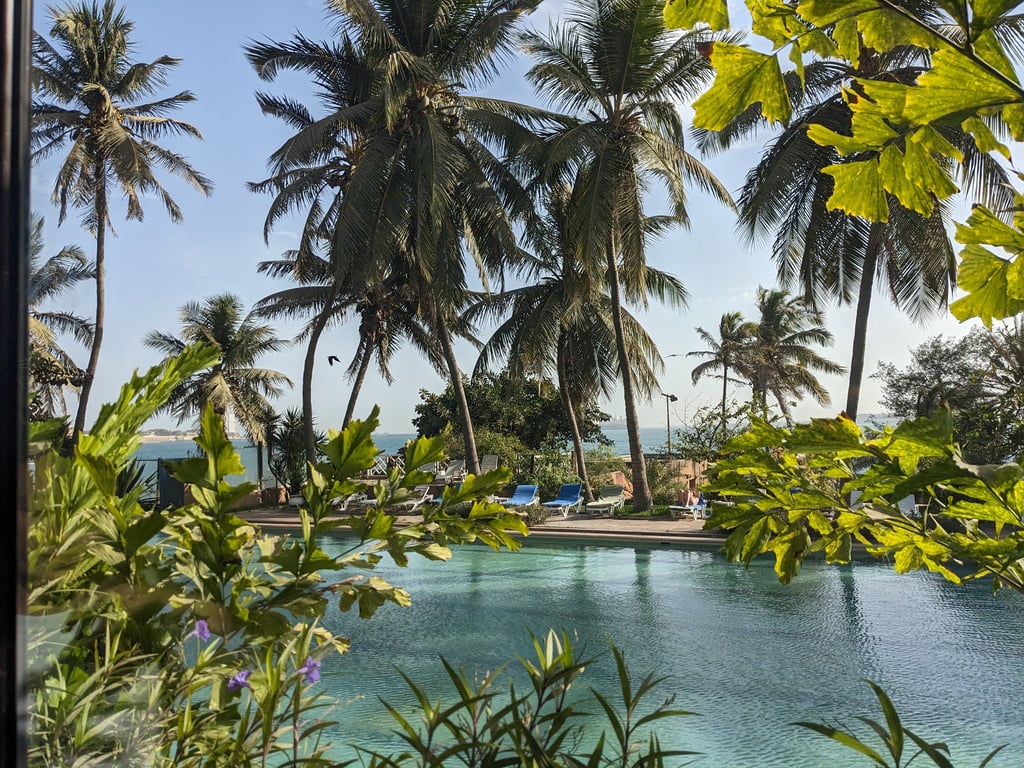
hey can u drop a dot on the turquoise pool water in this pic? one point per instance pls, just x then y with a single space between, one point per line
747 653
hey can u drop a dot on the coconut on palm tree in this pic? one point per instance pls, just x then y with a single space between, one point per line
615 65
234 385
827 255
87 97
51 368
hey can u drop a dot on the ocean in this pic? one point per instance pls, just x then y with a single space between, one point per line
390 442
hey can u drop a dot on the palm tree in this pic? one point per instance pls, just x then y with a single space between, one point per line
85 86
828 255
614 62
725 353
51 368
561 322
309 175
234 385
384 308
432 180
778 360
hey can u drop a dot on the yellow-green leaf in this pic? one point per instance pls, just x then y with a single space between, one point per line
775 20
1013 116
686 14
955 85
745 77
985 277
898 180
985 228
983 136
859 190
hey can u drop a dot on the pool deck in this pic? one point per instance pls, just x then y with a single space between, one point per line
575 526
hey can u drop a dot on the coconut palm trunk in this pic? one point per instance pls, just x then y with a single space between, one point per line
357 383
570 415
860 323
308 435
642 501
100 212
725 391
455 374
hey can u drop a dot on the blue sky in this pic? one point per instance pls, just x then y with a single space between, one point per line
154 267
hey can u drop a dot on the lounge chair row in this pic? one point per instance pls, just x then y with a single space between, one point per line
570 497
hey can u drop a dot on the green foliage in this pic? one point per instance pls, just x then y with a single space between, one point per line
980 377
544 725
895 738
702 439
508 405
187 637
790 495
551 469
288 452
896 130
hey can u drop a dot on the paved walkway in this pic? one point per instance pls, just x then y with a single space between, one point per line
581 526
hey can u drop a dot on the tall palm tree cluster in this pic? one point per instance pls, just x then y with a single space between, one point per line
421 199
773 355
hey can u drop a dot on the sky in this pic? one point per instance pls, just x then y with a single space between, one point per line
155 267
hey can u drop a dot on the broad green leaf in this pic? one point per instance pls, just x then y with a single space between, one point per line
858 190
847 40
745 77
955 86
921 167
142 531
932 141
989 47
880 26
687 14
987 279
1013 116
901 184
985 228
776 21
101 470
352 450
869 131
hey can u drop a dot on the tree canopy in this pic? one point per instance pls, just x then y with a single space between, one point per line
510 405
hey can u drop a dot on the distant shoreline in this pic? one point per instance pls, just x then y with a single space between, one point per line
165 438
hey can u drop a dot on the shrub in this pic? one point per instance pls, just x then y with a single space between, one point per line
185 636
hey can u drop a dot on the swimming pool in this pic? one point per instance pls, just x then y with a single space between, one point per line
748 653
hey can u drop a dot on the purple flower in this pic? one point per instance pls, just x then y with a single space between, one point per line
202 631
239 680
310 670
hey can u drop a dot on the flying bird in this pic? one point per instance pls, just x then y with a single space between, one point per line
332 359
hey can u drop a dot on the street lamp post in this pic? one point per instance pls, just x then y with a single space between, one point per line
668 423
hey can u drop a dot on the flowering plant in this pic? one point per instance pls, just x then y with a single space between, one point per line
117 592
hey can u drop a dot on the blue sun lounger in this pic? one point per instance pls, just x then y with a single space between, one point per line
523 496
570 496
